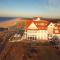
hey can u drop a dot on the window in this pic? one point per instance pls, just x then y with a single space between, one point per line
42 24
56 27
56 31
59 27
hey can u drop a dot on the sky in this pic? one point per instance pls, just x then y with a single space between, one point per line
30 8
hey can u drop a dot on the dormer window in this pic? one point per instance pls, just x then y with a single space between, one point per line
56 31
56 27
42 24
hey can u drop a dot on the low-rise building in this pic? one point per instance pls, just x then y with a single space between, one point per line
36 29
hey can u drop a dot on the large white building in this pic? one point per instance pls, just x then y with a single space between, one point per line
40 29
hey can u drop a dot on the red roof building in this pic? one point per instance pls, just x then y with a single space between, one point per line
41 25
37 29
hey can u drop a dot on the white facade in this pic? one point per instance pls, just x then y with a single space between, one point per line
50 28
38 34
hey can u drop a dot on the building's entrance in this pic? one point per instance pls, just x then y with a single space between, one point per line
32 38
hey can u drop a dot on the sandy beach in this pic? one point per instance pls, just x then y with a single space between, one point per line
9 23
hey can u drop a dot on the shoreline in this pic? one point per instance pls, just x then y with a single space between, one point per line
9 23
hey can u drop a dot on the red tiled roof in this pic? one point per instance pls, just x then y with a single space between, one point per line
41 25
28 22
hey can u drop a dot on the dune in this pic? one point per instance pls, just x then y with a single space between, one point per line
9 23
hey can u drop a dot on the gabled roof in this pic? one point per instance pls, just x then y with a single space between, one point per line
32 26
28 22
41 24
51 25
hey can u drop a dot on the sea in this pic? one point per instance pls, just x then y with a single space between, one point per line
6 18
